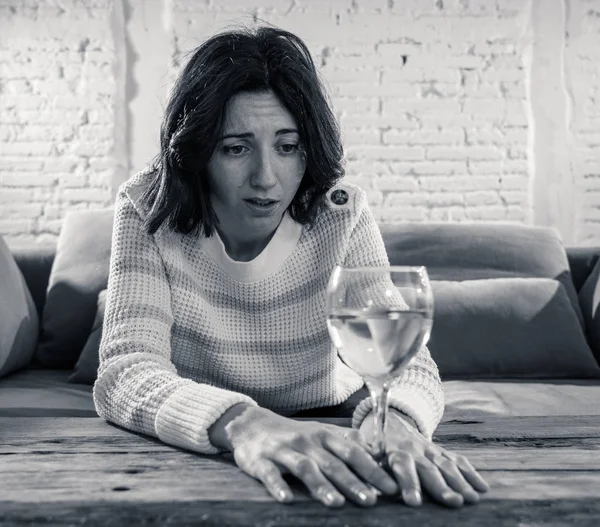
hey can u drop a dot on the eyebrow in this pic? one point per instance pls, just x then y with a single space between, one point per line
282 131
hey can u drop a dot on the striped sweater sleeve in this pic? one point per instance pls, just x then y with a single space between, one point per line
419 391
138 386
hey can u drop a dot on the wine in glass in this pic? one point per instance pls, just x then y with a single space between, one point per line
378 319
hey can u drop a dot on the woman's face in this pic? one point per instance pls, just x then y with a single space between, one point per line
256 167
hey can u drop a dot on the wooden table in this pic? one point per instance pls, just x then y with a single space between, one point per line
83 471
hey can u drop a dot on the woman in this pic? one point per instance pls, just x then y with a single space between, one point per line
215 327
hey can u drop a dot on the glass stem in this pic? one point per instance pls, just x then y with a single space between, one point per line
380 408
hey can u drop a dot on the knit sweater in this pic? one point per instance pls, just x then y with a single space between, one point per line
189 332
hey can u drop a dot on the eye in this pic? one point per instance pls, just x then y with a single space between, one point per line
234 150
289 148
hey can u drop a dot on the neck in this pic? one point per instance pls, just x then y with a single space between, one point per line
244 250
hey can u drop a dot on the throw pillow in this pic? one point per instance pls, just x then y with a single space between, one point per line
18 316
79 272
589 297
508 327
86 369
460 251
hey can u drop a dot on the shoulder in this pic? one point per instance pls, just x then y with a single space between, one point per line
345 197
132 190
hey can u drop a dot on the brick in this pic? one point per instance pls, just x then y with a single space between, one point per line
360 167
91 148
438 89
101 179
482 91
458 183
398 89
432 167
27 179
49 226
30 148
381 121
505 166
22 164
515 197
463 153
444 199
336 75
22 102
52 212
421 106
16 226
397 183
356 105
15 195
60 164
101 163
387 153
403 213
361 137
22 210
517 214
84 194
487 107
423 137
374 198
397 50
514 182
482 198
69 180
414 74
486 213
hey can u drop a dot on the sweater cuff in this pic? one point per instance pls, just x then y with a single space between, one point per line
186 416
412 401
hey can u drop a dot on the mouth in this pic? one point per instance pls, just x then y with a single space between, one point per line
261 202
261 206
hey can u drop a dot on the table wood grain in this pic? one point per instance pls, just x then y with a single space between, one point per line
74 471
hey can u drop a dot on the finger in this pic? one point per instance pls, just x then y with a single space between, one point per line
354 455
456 481
405 471
471 475
307 471
271 478
344 479
435 484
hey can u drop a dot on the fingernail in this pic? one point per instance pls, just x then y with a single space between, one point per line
472 496
331 499
412 497
374 490
282 495
451 496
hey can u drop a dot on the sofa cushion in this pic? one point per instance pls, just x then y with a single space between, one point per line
589 298
508 327
452 251
44 393
86 369
79 273
471 399
18 316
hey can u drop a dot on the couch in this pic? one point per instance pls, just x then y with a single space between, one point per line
516 330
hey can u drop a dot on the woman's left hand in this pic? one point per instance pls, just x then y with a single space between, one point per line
417 463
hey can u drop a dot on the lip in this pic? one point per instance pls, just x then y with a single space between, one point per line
261 210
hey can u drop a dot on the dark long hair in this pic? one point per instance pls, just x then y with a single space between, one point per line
245 60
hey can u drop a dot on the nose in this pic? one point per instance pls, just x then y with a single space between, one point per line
263 173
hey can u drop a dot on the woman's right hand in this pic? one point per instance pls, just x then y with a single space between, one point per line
333 462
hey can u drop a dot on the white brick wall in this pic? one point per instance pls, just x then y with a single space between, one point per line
434 99
57 113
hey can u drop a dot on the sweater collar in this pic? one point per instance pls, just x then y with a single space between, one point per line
280 247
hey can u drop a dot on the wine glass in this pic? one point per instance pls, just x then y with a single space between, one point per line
378 319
